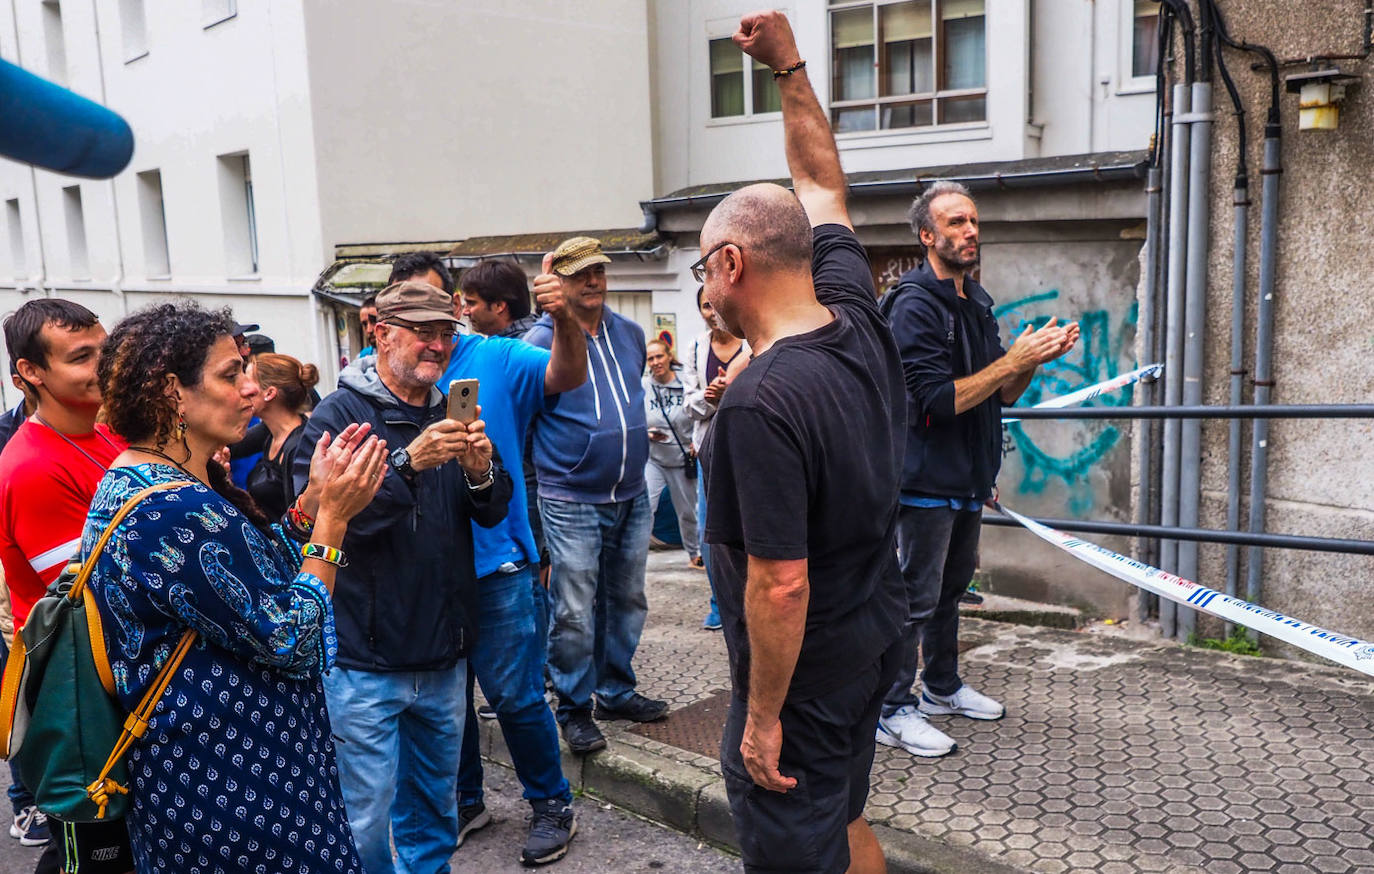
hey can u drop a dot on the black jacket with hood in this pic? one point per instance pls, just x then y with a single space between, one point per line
407 599
947 456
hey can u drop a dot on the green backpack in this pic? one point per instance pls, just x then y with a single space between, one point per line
60 722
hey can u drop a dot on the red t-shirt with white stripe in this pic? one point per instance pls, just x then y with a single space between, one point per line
46 484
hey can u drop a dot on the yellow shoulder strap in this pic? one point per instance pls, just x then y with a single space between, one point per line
94 628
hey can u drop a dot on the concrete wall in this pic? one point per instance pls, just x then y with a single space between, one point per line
1318 471
447 120
1075 271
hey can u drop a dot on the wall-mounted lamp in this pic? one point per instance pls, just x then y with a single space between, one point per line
1320 93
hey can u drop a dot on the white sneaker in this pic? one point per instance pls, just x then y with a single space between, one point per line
965 702
908 729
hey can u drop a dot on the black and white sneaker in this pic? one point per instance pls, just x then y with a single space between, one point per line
30 827
582 734
486 711
552 826
472 817
637 709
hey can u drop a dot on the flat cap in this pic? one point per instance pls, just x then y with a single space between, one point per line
574 254
415 301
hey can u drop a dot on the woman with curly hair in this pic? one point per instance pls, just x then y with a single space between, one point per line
236 770
284 395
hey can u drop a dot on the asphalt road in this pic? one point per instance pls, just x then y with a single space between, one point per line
608 839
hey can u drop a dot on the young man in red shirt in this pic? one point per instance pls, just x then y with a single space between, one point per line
48 472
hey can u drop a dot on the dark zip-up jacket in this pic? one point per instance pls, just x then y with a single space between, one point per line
407 599
947 456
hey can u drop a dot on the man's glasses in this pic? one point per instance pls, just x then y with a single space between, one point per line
428 333
699 268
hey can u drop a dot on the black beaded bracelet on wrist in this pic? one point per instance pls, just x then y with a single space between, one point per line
799 65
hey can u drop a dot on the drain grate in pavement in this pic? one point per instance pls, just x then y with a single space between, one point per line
695 728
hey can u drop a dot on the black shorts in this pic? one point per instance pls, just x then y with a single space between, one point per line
93 847
827 745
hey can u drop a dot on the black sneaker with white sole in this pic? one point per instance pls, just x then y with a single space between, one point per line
552 826
472 817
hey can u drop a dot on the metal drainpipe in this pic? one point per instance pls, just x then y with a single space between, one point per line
1264 350
1145 430
1194 329
116 284
1241 205
1173 335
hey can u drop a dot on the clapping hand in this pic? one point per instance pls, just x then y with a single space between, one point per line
330 453
1037 346
353 481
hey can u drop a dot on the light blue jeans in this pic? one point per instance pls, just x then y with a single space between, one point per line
599 554
397 738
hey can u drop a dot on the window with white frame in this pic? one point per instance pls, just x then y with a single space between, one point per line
153 212
907 64
1144 37
735 94
18 262
212 12
239 215
80 262
54 41
133 25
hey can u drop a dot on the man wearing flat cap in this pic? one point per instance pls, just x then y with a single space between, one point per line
590 446
404 605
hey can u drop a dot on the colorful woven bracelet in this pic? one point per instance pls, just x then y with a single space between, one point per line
299 519
799 65
325 553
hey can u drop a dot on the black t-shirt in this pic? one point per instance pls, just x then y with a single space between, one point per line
269 482
804 461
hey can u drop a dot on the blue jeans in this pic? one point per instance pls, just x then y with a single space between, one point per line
599 554
701 531
397 738
508 660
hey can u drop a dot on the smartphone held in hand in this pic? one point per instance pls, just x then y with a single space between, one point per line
462 400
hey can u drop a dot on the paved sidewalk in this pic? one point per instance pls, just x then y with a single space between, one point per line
1115 755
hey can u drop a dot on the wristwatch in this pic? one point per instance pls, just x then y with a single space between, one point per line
400 462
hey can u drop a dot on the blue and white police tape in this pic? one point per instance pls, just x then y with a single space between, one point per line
1339 648
1083 395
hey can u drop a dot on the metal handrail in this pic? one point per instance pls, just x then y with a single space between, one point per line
1206 411
1198 535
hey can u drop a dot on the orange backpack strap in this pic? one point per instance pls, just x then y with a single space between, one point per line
136 725
79 591
9 693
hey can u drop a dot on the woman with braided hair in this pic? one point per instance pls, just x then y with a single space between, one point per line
236 770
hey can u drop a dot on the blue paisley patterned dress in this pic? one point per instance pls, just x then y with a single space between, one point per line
236 772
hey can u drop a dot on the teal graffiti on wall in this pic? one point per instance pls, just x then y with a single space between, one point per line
1101 353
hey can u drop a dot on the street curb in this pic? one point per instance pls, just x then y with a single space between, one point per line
693 801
